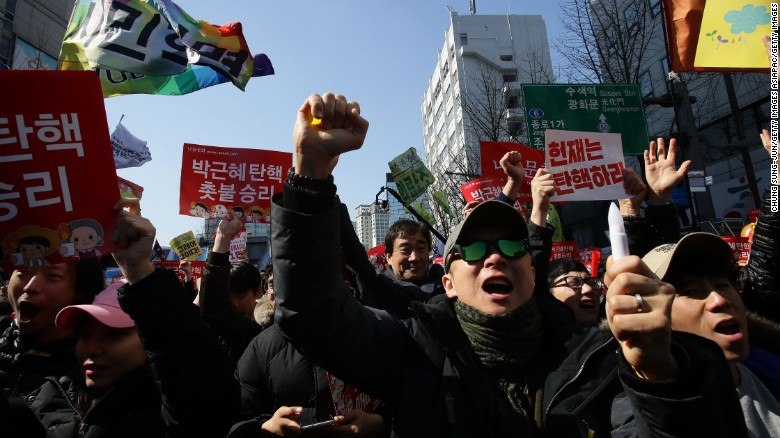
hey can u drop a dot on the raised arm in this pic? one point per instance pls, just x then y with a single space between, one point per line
315 309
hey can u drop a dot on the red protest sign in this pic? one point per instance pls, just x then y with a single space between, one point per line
564 250
490 156
216 181
586 166
196 266
753 214
129 189
378 259
58 183
486 189
740 247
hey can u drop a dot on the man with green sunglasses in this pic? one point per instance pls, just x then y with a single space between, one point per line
491 357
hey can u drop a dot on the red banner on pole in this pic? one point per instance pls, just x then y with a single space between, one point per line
486 189
196 266
564 250
741 248
216 181
378 259
58 184
490 156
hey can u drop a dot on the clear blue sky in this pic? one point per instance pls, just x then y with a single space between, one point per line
379 54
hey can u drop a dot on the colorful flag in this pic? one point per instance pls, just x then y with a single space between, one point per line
725 32
57 177
129 189
129 150
158 251
154 47
410 175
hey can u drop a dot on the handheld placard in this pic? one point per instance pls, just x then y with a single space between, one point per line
617 233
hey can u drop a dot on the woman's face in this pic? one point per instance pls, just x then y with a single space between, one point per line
37 294
107 354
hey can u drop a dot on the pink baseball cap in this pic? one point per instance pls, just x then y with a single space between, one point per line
105 308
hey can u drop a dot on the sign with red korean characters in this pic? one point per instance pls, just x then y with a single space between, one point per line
58 183
196 267
238 248
490 157
564 250
486 189
741 248
586 166
753 214
216 181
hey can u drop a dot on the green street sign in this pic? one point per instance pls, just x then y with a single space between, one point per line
587 107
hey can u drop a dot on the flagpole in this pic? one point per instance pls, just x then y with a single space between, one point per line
120 119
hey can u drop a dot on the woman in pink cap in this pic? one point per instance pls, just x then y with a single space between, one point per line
150 366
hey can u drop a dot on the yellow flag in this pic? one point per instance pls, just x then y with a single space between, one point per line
731 33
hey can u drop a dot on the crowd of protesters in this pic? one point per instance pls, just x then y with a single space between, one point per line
675 340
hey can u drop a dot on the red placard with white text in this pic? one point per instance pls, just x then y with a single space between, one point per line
378 259
753 214
564 250
58 184
216 181
490 156
586 166
196 267
486 189
740 247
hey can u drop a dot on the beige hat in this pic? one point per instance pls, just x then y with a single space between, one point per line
711 245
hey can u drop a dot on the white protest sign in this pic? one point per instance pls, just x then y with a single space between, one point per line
586 166
238 248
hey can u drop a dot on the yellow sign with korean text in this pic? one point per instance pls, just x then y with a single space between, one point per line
731 34
186 246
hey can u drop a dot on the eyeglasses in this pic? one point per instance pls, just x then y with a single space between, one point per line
480 250
576 282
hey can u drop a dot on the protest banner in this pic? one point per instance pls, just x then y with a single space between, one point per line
410 174
128 189
58 185
195 266
615 108
154 47
727 35
586 166
238 247
216 181
347 397
376 256
129 150
490 157
591 257
486 189
740 247
753 214
186 246
564 250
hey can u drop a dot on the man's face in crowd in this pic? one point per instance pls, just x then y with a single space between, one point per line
711 307
496 285
583 301
409 257
37 294
245 302
107 354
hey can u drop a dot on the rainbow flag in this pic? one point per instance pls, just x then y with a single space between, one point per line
154 47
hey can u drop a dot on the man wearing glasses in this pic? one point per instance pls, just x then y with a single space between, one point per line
572 285
490 357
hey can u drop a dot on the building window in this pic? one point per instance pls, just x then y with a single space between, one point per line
505 57
464 39
513 102
510 77
445 69
646 84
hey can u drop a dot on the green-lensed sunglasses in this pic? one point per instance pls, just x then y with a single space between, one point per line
480 249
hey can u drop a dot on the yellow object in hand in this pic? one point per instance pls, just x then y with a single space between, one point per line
315 121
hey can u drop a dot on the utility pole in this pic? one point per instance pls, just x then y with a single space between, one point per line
743 146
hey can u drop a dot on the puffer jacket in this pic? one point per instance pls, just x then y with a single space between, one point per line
187 389
24 366
762 291
426 369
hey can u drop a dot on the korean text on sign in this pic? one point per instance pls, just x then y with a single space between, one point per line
410 175
586 166
46 204
217 181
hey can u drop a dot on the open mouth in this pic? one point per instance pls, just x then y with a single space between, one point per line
587 304
730 327
27 311
500 286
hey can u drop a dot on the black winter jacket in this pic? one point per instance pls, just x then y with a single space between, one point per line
424 366
187 390
762 294
25 366
660 225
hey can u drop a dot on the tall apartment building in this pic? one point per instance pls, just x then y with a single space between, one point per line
372 223
31 33
481 54
363 224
